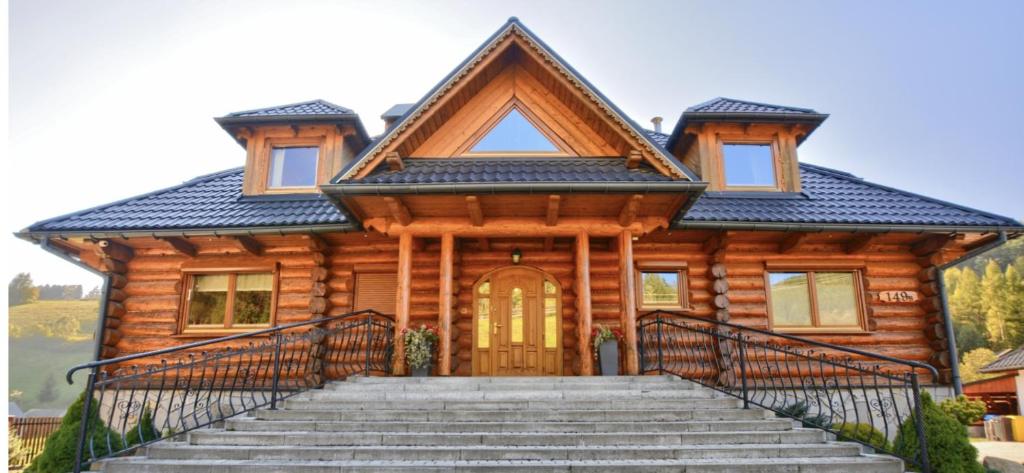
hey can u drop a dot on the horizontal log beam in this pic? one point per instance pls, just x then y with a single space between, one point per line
180 245
634 159
792 242
114 250
554 201
860 243
630 210
500 227
476 214
394 161
248 244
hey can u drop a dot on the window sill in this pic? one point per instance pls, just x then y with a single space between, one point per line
823 331
684 310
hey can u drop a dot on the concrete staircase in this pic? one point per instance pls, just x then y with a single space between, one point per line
614 424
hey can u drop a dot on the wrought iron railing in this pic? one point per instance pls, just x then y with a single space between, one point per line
857 395
135 400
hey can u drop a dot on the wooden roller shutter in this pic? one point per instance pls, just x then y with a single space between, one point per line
376 291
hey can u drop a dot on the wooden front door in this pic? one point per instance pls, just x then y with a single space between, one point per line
517 324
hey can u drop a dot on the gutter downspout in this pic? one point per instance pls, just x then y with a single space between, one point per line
102 318
947 319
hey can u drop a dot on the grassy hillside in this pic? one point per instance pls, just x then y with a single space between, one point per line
47 338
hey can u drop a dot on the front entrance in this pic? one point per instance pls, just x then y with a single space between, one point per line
517 325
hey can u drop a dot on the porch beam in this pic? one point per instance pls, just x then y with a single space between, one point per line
554 201
476 214
630 210
398 210
402 297
583 304
627 286
445 302
502 227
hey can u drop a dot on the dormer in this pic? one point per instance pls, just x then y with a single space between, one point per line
742 146
292 149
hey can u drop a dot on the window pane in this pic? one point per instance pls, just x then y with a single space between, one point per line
483 318
484 289
209 301
791 301
516 313
514 133
748 165
837 299
660 288
253 296
293 167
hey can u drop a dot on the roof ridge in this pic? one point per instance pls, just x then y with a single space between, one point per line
191 182
345 110
752 102
850 177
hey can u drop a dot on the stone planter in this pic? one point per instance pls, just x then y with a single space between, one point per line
609 356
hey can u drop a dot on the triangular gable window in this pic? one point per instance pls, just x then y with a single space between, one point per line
514 134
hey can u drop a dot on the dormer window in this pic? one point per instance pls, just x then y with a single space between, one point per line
749 165
293 167
514 133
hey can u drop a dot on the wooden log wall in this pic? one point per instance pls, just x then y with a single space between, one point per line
476 261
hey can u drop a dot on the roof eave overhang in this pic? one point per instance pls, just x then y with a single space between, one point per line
229 124
37 236
1011 231
689 118
353 190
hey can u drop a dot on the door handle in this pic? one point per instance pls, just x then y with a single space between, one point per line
496 327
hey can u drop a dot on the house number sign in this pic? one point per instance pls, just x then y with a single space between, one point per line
898 296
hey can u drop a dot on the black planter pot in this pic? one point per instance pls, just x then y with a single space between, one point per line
609 356
421 372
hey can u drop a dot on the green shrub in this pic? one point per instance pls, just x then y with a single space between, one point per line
144 431
949 451
963 409
59 451
799 410
865 433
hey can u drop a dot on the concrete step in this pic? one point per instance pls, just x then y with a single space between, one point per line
660 385
527 380
301 403
866 464
514 395
442 428
497 439
662 415
169 451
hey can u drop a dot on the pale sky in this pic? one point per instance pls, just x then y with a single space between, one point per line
110 99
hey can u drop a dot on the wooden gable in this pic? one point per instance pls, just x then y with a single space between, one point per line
514 69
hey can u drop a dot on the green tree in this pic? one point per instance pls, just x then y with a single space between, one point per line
968 312
949 450
963 409
59 451
994 304
16 450
972 362
951 277
94 293
48 393
1014 304
21 290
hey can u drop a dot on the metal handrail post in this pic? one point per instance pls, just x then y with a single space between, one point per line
83 429
277 372
922 442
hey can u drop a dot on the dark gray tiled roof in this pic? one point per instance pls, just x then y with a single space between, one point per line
211 201
660 138
313 107
490 170
727 105
835 197
1011 360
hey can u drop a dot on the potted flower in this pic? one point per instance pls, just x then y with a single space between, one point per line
606 349
419 348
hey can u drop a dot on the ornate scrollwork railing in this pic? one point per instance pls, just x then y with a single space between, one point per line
838 389
135 400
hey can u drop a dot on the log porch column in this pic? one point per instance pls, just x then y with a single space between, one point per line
445 303
627 284
402 300
583 307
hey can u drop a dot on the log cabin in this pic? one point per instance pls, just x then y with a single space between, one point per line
515 207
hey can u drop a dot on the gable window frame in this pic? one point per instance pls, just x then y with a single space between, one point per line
682 282
776 154
265 163
564 150
189 277
816 327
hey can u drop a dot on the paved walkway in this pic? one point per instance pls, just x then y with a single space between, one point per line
1007 450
